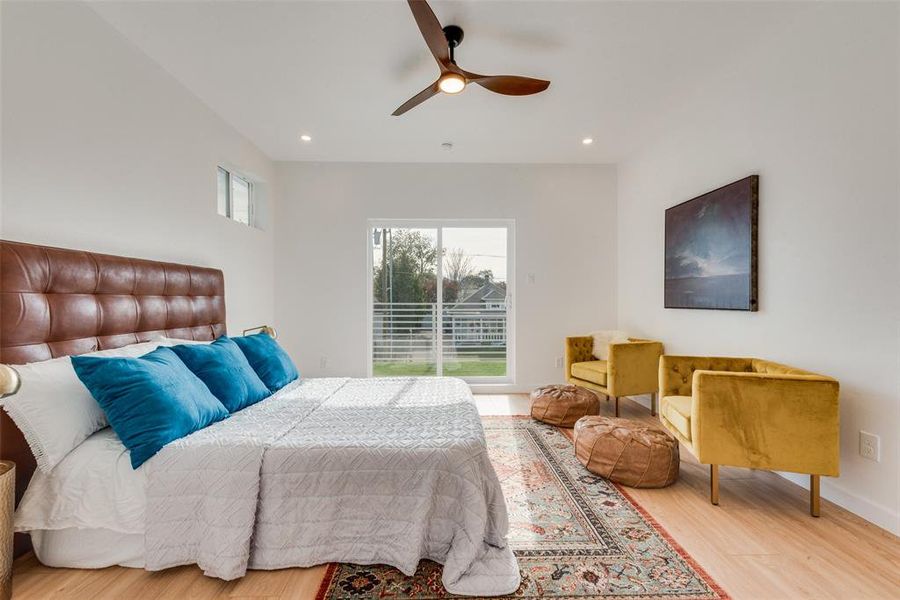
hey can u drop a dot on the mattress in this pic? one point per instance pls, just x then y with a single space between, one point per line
88 548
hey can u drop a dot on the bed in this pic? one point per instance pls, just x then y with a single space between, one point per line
368 471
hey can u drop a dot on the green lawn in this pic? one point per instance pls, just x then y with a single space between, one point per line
468 368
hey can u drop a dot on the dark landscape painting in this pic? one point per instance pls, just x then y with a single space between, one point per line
711 249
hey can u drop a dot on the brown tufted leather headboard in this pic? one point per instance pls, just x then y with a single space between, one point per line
56 302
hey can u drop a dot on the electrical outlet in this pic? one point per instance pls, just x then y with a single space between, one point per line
323 362
869 446
559 362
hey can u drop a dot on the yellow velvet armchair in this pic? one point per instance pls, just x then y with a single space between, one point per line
746 412
631 369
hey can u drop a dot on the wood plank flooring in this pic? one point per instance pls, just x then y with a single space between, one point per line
760 542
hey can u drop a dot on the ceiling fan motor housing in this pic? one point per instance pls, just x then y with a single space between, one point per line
454 35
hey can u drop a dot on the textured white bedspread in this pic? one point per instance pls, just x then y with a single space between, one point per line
368 471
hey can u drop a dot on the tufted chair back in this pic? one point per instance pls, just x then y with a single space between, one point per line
676 373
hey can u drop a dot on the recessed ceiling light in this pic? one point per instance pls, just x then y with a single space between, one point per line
306 138
587 141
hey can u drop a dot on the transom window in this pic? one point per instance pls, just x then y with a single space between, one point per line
235 197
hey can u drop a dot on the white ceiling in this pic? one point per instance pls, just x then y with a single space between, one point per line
336 70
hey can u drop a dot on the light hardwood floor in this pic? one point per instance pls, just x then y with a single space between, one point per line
760 542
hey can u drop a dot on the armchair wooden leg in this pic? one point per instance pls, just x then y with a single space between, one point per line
714 484
616 398
654 400
814 495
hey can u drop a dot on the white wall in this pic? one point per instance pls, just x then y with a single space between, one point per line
565 228
102 150
813 108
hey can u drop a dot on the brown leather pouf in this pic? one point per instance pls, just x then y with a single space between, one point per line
627 452
562 405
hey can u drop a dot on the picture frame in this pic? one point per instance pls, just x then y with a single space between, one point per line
711 249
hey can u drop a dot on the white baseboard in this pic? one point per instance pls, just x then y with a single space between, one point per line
875 513
502 388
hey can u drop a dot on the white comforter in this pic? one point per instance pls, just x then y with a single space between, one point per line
369 471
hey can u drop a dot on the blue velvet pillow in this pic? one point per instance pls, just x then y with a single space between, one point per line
225 371
268 359
150 400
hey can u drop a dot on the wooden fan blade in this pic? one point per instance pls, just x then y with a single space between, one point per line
432 32
510 85
418 99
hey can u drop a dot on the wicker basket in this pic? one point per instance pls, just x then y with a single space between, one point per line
7 499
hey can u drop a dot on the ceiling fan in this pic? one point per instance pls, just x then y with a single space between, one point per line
442 41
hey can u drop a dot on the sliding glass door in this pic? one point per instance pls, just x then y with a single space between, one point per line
460 328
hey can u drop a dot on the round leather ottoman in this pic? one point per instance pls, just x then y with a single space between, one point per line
627 452
562 405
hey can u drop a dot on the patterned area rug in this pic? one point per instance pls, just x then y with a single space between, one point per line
577 536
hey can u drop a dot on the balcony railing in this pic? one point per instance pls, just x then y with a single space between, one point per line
464 340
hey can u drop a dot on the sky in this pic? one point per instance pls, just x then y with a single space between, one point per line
485 245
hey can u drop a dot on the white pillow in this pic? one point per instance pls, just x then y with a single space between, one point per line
602 340
54 410
167 341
